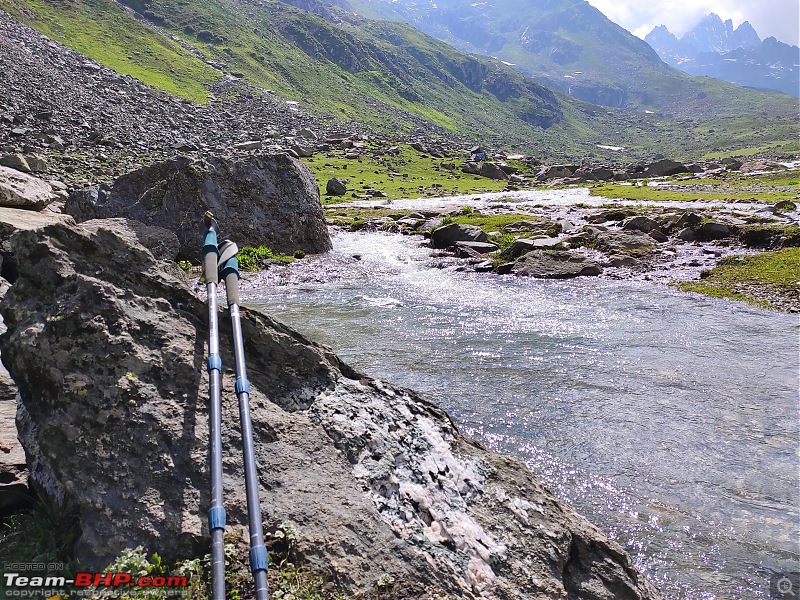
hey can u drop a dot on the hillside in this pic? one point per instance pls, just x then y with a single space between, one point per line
568 45
260 66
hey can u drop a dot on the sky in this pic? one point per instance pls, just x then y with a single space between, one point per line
778 18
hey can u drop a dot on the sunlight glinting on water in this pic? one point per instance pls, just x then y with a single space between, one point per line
667 419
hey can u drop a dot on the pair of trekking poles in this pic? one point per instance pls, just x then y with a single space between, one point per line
220 262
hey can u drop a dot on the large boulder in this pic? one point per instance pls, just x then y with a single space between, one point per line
20 190
106 344
13 220
447 236
555 264
269 200
664 167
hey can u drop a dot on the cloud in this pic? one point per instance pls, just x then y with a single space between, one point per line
778 18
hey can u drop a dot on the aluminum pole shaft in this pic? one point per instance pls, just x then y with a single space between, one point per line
258 551
216 516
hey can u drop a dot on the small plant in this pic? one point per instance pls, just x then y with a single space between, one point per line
186 266
299 253
251 258
448 220
467 210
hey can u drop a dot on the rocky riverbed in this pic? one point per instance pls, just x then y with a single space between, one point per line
555 235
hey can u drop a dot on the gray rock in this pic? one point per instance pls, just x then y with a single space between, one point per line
37 164
307 134
336 187
107 347
523 225
16 161
663 168
250 145
20 190
556 172
713 230
303 151
687 234
479 247
616 241
640 223
555 264
269 200
13 220
446 236
492 171
658 235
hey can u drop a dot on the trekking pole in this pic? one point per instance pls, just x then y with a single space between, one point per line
216 514
229 272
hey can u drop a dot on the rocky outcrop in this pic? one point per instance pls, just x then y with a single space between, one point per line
13 220
20 190
13 469
106 345
555 264
269 200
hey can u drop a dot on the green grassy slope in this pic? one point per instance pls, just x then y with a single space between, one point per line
390 77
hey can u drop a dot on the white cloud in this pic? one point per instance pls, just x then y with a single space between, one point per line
778 18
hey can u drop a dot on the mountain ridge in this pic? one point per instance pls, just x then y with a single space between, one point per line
713 48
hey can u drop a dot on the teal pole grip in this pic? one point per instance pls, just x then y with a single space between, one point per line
210 256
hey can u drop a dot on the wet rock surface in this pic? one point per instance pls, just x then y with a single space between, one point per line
555 264
106 344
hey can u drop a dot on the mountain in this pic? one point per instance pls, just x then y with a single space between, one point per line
715 49
712 35
352 73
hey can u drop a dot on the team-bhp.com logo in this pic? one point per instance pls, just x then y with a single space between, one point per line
20 585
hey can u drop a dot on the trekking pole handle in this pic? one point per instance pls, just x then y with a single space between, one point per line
229 273
210 249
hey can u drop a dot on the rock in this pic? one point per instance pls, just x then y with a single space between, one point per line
306 133
556 172
492 171
107 347
616 241
618 214
522 226
13 468
16 161
594 173
336 187
20 190
250 145
269 200
688 219
640 223
622 260
658 235
13 220
687 234
303 151
664 167
555 264
38 164
446 236
479 247
713 230
785 206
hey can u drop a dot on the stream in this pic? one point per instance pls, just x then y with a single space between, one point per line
669 420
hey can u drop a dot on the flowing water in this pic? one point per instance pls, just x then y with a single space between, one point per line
669 420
